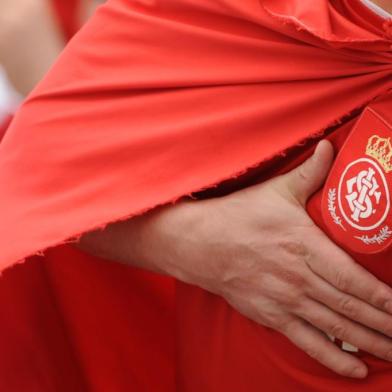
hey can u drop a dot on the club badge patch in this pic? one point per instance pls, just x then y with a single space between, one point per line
356 202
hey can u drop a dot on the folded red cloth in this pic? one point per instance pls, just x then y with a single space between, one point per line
152 101
4 123
67 13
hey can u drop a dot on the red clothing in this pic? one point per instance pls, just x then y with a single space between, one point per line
4 125
67 13
153 101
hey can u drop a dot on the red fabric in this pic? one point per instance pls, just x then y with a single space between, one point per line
153 101
364 16
4 123
70 322
67 13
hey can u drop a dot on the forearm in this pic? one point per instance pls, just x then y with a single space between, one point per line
150 241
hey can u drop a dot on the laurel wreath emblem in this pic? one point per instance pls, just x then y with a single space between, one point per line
332 208
379 238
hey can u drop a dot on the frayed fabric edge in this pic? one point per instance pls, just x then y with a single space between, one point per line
331 38
74 238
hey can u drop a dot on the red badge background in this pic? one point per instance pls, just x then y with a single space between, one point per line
371 123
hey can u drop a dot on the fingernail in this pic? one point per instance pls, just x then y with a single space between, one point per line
359 372
388 306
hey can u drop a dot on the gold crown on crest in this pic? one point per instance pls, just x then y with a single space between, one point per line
381 150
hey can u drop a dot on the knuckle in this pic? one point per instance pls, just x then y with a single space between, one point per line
338 330
290 295
297 248
342 280
381 299
347 306
287 327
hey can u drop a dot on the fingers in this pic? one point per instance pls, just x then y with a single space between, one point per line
351 307
342 272
346 330
308 177
319 347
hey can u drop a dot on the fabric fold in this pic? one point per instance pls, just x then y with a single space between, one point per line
197 96
153 101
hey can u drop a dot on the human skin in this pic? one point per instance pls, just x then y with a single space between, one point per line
272 264
385 4
27 48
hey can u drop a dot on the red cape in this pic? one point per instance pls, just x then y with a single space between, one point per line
67 14
151 102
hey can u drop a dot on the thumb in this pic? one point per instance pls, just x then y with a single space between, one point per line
308 177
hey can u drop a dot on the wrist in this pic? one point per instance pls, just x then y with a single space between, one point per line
194 244
173 233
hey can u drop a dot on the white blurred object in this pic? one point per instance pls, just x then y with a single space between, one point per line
9 98
377 9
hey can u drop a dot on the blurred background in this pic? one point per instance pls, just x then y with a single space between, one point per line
32 35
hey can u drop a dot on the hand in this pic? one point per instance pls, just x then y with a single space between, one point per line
259 249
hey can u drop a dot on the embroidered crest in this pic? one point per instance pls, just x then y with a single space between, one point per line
356 199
